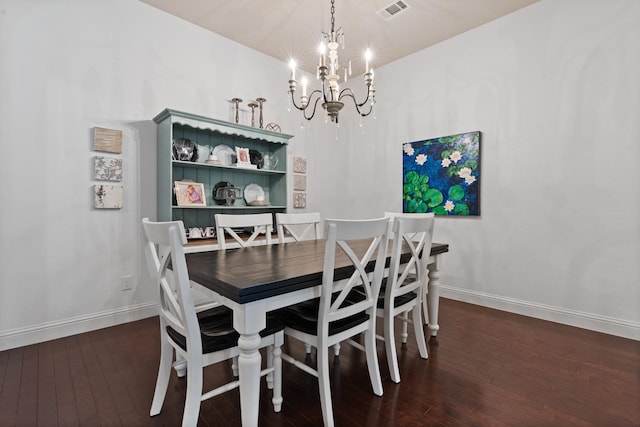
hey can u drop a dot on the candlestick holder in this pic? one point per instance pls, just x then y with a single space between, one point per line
237 101
261 101
253 106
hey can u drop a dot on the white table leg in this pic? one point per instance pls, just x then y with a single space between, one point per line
249 321
433 297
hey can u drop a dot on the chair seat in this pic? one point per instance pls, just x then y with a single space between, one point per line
304 316
216 330
397 301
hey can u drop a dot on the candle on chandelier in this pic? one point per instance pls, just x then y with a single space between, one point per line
304 86
323 51
292 65
367 58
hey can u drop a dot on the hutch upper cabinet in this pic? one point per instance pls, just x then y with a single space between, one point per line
208 134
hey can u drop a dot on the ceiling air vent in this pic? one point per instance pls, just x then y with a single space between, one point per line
393 9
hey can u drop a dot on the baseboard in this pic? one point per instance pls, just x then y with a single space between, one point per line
607 325
75 325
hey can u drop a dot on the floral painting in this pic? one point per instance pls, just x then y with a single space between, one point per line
442 175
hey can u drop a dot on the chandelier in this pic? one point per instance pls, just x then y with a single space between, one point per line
328 72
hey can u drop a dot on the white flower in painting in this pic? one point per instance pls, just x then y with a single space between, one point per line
408 149
470 180
421 158
445 163
464 172
449 206
455 156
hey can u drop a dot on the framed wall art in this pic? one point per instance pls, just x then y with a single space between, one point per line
299 165
299 200
107 196
107 168
190 193
107 140
442 175
300 182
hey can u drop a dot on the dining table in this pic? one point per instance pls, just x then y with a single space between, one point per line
255 280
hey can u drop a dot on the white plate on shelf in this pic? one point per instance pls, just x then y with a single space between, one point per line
224 153
252 192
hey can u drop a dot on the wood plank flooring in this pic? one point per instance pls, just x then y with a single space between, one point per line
486 368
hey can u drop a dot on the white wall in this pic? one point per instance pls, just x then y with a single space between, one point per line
67 66
553 88
555 91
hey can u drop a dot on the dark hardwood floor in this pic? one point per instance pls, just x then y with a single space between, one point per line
486 368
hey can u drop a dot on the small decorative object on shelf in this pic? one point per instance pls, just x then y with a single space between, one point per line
224 193
185 149
273 127
253 106
244 159
237 101
270 160
201 232
261 101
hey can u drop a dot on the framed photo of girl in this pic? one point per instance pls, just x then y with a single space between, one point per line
190 193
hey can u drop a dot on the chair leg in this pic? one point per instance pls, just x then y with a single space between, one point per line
180 366
390 346
372 357
269 366
164 372
234 366
336 349
322 356
405 334
419 333
194 395
277 377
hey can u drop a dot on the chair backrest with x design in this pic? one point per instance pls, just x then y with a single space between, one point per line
258 224
303 226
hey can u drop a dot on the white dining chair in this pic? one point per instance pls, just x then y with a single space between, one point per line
296 227
425 302
258 224
201 339
403 288
334 317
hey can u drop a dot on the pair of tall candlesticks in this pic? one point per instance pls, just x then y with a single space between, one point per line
253 105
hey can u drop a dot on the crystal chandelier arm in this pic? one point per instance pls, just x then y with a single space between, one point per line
305 108
349 94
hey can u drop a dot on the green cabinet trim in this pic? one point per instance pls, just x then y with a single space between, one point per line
227 128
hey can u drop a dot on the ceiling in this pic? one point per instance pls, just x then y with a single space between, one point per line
287 29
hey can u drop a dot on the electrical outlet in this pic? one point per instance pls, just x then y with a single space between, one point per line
126 283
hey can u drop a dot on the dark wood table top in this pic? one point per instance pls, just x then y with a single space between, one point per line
253 273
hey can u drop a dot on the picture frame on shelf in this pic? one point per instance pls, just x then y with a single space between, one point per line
190 193
243 157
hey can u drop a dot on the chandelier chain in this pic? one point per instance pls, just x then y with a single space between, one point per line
333 11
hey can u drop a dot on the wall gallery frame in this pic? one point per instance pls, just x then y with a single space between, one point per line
190 193
442 175
107 196
107 168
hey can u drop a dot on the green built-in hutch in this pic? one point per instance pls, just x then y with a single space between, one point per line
208 133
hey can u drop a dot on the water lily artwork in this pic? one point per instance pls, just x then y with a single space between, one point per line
442 175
